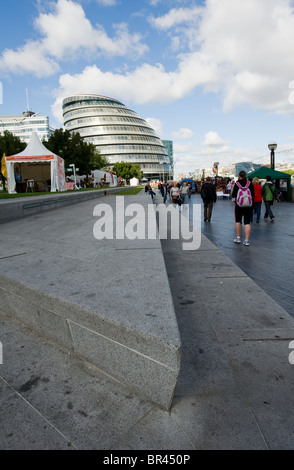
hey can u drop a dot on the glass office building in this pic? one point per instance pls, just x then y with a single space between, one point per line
117 132
23 125
169 147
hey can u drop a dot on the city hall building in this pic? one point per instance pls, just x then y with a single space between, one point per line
118 133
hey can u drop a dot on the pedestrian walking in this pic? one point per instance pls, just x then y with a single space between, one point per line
257 199
229 187
150 190
243 193
208 195
269 194
163 190
175 193
184 191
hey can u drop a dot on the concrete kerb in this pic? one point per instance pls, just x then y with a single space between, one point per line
117 315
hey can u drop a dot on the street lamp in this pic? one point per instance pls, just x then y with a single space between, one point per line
161 163
74 171
272 147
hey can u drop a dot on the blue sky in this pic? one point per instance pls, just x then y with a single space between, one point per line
214 76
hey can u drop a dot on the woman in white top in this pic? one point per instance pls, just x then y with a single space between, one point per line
175 193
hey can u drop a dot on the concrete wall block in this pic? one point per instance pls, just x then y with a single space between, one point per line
165 350
13 209
151 379
41 320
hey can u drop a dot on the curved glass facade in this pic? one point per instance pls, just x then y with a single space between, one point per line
117 132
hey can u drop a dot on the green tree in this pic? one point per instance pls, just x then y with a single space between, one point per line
10 145
98 162
74 150
127 170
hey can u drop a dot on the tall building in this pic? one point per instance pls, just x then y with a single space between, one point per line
168 144
23 125
117 132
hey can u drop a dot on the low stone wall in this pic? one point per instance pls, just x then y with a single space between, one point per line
16 208
106 301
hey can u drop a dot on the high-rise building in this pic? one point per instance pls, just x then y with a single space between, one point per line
170 151
117 132
23 125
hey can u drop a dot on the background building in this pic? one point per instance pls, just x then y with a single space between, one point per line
117 132
248 167
168 144
23 125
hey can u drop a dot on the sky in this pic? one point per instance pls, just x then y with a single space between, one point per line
214 76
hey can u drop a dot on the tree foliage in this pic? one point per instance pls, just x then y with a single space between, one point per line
10 144
74 150
127 170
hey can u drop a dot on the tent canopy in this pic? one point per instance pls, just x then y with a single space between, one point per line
264 171
36 152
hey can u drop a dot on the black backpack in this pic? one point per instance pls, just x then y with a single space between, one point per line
204 192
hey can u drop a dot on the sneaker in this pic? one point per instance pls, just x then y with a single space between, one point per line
273 219
237 240
246 243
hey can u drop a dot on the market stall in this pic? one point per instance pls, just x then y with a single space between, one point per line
282 180
37 167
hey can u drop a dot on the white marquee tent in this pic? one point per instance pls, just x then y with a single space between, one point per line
36 163
99 175
134 182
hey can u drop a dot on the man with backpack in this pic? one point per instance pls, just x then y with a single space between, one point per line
269 194
243 192
208 194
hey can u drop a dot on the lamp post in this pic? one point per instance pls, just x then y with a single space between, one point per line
74 171
161 163
272 147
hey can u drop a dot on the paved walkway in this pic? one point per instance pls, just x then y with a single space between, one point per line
269 258
235 389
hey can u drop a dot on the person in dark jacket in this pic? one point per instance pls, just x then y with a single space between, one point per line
243 212
269 195
208 194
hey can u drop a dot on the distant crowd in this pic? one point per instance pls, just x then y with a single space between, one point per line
246 193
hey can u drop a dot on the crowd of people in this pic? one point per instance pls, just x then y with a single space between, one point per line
247 195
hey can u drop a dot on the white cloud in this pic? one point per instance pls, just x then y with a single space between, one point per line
252 46
156 125
240 50
146 84
67 33
244 56
30 58
176 16
248 43
106 3
212 138
183 134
